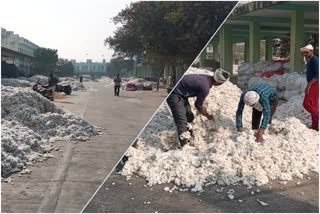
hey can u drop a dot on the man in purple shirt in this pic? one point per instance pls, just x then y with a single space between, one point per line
192 85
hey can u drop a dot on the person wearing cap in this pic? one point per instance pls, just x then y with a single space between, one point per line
311 99
192 85
263 99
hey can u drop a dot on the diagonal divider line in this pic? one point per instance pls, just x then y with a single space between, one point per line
157 110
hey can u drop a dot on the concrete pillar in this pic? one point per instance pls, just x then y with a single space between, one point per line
296 41
215 51
203 57
226 56
254 42
269 40
179 72
246 51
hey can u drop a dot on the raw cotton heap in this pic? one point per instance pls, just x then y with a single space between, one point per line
75 84
107 80
23 81
30 123
219 154
15 82
42 79
288 85
294 108
247 71
29 82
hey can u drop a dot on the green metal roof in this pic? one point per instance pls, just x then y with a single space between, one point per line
273 17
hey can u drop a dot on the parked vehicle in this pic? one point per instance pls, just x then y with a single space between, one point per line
44 90
64 88
149 85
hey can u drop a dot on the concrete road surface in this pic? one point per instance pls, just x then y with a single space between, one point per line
135 196
66 182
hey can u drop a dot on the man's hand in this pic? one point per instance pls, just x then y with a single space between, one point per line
259 136
307 89
239 129
209 116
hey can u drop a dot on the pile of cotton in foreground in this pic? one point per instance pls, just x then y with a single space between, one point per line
30 123
219 153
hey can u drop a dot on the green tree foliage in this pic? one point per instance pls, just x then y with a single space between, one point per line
176 30
45 60
65 68
120 65
281 46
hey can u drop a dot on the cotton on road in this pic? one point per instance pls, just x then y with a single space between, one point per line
67 181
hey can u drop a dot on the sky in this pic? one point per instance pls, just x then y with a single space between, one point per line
77 28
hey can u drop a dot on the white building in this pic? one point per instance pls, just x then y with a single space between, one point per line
89 67
17 50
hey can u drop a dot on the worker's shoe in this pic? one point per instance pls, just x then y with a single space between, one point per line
189 127
185 138
184 142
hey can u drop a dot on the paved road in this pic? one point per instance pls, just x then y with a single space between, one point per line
134 196
66 182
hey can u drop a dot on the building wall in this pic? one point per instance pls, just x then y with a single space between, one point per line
14 42
17 43
89 66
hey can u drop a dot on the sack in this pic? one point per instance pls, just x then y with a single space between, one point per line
293 81
288 94
274 67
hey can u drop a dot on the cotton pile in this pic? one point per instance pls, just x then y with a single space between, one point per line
15 82
287 85
107 80
248 70
219 154
294 108
75 84
30 124
43 80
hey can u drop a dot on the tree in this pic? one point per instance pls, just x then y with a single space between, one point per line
65 68
45 60
176 30
281 46
120 65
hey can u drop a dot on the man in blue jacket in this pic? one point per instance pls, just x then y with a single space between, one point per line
192 85
263 99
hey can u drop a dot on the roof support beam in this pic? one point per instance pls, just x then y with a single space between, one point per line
226 58
296 7
262 19
296 42
254 42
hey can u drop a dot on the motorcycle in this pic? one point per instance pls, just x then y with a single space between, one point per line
44 90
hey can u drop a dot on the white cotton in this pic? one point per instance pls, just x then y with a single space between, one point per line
219 153
30 124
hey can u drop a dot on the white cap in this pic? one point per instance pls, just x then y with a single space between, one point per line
306 48
221 76
251 98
